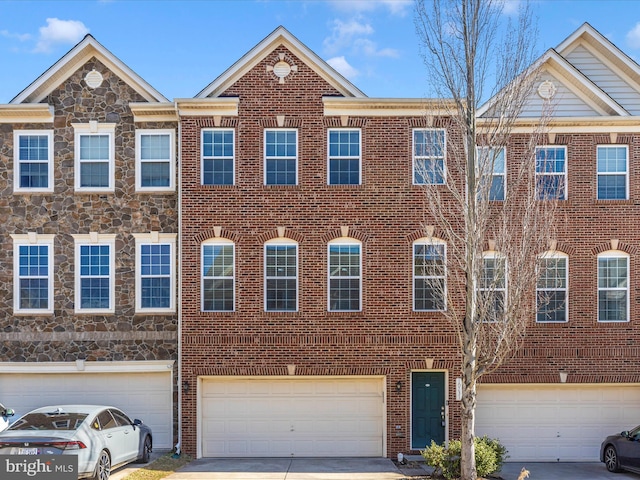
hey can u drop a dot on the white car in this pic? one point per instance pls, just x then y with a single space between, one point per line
5 413
102 437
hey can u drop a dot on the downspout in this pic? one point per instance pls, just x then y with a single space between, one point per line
178 447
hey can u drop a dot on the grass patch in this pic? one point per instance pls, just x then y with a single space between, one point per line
159 468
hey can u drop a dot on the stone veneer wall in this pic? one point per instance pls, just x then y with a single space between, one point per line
65 335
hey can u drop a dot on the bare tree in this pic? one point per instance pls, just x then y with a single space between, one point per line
495 219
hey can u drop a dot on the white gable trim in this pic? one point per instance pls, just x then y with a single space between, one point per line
74 59
280 36
26 113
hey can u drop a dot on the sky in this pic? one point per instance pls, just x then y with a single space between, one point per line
179 47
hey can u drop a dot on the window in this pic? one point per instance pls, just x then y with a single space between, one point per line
94 156
551 292
281 276
344 157
612 172
345 269
95 267
33 274
551 173
613 287
493 287
155 160
155 272
218 276
33 160
217 156
492 165
429 275
280 157
429 151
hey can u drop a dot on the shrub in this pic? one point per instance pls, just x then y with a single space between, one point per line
490 456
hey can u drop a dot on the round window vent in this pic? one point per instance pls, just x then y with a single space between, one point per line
93 79
281 69
546 90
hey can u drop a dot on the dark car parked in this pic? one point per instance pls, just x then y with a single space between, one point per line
622 451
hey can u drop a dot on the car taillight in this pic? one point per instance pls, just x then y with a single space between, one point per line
75 445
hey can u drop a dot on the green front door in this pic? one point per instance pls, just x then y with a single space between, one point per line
427 409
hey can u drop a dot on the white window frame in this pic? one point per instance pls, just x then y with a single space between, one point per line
91 239
274 243
416 158
493 288
604 174
555 256
344 242
31 239
218 157
171 160
94 128
614 254
553 174
344 157
276 157
426 241
156 238
17 163
482 174
213 243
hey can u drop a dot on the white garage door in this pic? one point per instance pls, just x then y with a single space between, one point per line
283 417
147 396
556 422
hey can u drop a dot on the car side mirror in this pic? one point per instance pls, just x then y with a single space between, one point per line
625 433
136 422
7 412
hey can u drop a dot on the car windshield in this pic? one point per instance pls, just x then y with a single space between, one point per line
49 421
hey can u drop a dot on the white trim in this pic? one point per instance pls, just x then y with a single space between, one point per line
551 255
280 36
218 157
554 174
155 238
27 240
95 239
274 243
97 129
131 366
386 107
344 241
276 157
171 160
428 241
212 242
17 134
82 52
26 113
340 157
614 254
605 174
428 157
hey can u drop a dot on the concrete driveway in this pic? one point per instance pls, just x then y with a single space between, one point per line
368 469
359 469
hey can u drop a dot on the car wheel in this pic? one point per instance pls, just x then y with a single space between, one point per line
146 450
611 459
103 468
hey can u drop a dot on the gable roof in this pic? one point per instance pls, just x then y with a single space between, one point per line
596 78
87 48
280 36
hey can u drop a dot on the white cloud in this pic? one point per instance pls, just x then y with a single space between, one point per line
23 37
343 34
342 66
60 32
511 7
633 36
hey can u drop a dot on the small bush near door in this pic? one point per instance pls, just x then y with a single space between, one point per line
490 455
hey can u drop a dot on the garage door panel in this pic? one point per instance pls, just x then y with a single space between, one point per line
555 422
285 417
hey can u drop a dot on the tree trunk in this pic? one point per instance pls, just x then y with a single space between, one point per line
467 445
